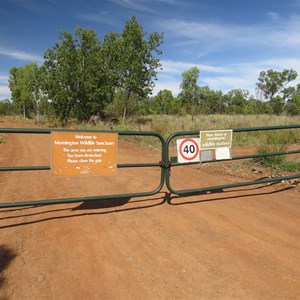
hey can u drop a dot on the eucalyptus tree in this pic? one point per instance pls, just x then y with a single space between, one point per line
75 78
35 84
189 89
162 102
293 104
273 87
210 101
237 101
25 86
135 62
16 85
82 75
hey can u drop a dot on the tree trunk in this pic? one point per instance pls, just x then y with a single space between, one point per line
38 111
193 111
125 107
124 113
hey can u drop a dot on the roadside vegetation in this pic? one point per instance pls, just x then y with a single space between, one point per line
259 141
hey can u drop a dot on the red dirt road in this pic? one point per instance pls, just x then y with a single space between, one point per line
236 244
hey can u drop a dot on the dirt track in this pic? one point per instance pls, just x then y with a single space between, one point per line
241 243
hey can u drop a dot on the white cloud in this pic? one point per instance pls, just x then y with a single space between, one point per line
103 17
283 33
3 78
273 15
134 5
201 31
20 55
177 67
170 77
225 78
173 84
4 92
173 2
228 83
4 89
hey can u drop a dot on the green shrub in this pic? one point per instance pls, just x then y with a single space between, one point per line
275 160
273 142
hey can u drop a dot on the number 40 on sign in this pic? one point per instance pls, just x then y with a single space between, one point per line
188 150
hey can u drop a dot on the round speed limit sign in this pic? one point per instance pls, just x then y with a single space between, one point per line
188 150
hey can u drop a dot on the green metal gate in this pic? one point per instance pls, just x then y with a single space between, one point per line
166 164
80 199
173 163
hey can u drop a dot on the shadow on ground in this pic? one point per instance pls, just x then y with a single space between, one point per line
216 195
6 256
91 207
119 205
105 203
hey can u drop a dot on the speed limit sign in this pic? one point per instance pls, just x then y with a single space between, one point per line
188 150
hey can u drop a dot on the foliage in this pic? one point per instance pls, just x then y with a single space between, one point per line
21 90
275 142
272 143
189 89
26 90
7 108
84 77
164 103
237 101
210 101
277 105
273 87
293 105
75 77
271 83
135 62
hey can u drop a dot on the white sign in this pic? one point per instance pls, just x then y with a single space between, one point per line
223 153
188 150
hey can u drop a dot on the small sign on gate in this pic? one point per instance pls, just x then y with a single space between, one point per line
213 139
188 150
218 140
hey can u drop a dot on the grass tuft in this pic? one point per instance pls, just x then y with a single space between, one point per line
2 139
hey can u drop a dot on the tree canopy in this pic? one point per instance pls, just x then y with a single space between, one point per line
81 76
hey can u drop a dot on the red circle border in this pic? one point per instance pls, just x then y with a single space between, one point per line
197 149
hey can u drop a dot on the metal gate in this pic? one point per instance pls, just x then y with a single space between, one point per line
158 164
165 165
173 162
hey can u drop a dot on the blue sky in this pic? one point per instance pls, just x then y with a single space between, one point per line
230 41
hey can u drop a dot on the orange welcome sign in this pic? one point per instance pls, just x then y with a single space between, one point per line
83 154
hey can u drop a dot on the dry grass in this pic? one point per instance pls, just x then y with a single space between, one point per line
2 139
169 124
166 125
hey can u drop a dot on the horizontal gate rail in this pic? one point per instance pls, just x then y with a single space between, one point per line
82 199
174 163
